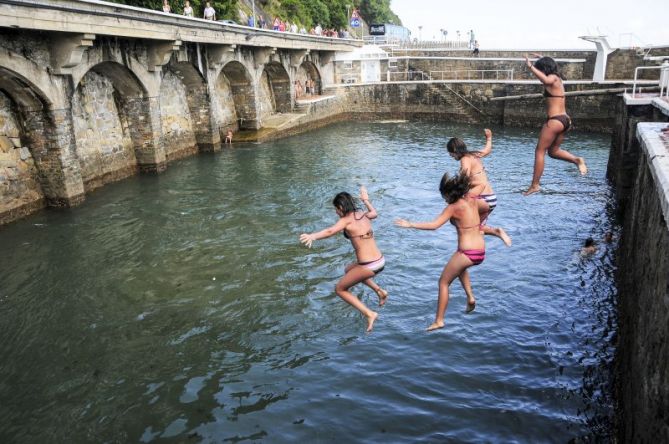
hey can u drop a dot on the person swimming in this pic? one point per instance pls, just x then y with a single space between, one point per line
472 165
356 226
589 247
557 124
463 213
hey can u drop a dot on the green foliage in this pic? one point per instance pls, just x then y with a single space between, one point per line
307 13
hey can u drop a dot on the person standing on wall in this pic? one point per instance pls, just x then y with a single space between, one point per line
166 6
476 48
188 10
209 13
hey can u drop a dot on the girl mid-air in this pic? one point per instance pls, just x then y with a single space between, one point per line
557 124
480 188
464 215
356 226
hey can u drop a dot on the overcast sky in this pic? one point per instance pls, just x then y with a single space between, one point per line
534 24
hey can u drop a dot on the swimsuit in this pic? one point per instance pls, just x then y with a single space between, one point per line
564 119
491 199
476 256
376 265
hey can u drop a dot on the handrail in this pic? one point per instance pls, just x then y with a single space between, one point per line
636 74
509 73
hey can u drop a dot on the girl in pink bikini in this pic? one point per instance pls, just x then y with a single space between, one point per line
463 213
356 225
481 190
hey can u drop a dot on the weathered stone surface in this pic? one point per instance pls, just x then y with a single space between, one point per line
178 135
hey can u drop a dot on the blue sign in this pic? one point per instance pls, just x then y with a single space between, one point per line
355 22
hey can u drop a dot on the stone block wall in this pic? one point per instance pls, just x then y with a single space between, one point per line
20 190
177 122
622 62
103 144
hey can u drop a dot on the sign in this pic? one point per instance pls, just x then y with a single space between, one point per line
377 29
355 22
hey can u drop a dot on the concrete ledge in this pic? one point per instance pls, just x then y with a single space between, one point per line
656 146
661 103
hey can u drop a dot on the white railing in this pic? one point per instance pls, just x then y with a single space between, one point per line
473 74
407 76
437 44
663 81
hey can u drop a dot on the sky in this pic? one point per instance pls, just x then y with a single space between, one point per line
525 24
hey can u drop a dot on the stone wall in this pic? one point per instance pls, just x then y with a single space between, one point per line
103 144
266 99
177 122
622 62
20 190
642 355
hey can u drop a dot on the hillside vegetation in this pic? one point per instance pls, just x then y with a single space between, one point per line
307 13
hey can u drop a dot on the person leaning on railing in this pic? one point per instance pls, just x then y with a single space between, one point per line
188 10
209 12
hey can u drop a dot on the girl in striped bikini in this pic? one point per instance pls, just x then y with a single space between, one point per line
472 165
464 215
356 225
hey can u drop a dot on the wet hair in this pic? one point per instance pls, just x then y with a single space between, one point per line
345 203
589 242
548 66
454 188
457 146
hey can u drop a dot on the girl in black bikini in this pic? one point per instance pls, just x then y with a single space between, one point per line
558 122
463 213
356 225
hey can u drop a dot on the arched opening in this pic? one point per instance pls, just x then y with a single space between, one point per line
309 71
236 105
175 112
274 90
106 124
24 119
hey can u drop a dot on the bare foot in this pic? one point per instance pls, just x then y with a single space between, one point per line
370 320
580 163
531 190
383 296
470 306
505 237
435 326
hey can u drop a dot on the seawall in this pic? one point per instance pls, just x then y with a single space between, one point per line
639 170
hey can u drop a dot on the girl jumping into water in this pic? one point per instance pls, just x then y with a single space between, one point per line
356 226
558 122
464 215
480 188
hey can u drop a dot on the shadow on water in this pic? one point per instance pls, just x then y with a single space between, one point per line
182 307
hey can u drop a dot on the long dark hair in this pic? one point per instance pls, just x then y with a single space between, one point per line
548 66
345 203
457 146
454 188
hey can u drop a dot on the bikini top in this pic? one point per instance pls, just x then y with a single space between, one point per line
367 235
478 226
549 95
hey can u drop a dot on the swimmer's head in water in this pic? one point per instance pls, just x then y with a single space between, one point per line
345 203
453 188
548 66
457 147
589 242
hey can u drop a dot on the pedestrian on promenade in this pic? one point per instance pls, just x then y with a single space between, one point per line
209 12
557 124
471 163
275 25
166 6
476 47
356 226
188 10
464 215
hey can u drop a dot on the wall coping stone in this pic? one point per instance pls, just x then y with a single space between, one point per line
505 59
662 104
501 82
655 145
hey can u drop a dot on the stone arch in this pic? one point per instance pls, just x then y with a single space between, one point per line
116 125
308 70
182 94
234 86
275 90
34 146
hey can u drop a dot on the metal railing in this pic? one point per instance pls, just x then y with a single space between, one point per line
437 44
473 74
407 76
663 80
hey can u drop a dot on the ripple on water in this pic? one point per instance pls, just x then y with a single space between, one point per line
183 307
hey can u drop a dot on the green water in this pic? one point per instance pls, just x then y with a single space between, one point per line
182 308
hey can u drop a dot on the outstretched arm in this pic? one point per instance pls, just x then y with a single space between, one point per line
433 225
488 144
364 197
543 78
308 238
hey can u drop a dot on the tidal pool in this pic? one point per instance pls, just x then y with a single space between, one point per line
182 308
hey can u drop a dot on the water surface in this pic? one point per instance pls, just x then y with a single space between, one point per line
182 308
